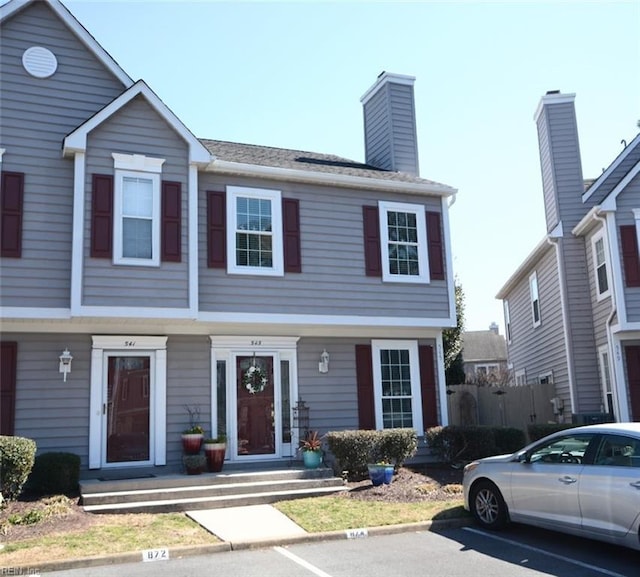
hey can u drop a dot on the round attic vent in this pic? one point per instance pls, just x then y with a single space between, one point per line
39 62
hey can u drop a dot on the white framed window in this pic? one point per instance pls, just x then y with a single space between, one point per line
521 377
535 299
403 239
605 379
396 377
254 231
507 320
545 378
600 266
136 223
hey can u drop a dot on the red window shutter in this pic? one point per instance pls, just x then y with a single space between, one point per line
171 221
371 225
216 229
364 380
434 243
102 216
11 194
428 386
8 364
291 235
632 354
630 258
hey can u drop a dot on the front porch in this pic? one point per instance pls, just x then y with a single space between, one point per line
150 491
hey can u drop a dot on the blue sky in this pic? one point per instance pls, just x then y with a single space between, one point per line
291 74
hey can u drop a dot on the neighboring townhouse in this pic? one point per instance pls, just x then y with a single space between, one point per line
572 308
484 356
146 271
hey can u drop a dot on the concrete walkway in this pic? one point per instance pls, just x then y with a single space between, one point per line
247 524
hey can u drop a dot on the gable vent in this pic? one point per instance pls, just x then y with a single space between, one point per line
39 62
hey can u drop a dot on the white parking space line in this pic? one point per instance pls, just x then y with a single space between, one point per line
543 552
301 562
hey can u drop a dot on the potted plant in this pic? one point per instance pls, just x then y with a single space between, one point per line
214 450
194 464
311 447
192 437
380 473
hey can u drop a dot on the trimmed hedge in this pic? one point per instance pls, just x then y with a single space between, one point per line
454 444
354 450
55 473
537 431
17 456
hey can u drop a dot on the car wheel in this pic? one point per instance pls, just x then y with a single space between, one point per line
488 506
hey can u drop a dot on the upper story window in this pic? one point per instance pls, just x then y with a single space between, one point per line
396 374
600 267
403 243
535 299
521 377
136 224
507 320
254 231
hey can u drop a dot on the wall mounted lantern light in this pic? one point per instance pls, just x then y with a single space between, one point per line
65 363
323 365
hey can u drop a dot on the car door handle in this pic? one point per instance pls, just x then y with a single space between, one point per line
567 480
636 484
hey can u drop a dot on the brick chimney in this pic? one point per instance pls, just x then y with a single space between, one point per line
390 135
562 182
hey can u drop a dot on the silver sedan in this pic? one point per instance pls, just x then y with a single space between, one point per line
584 481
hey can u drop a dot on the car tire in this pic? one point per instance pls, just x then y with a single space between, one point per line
488 506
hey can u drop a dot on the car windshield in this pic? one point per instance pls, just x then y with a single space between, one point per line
565 449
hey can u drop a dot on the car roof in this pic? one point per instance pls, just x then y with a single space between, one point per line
633 428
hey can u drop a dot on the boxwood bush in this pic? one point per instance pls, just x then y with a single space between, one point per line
537 431
459 444
354 450
55 473
17 456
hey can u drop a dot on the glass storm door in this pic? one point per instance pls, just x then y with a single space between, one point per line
128 409
255 394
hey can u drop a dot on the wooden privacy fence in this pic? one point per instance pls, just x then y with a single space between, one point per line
509 406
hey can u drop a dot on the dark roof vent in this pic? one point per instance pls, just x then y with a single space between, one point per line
553 92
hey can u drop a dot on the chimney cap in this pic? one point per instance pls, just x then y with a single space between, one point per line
553 97
383 78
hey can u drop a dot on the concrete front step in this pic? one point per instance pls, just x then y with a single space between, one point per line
182 492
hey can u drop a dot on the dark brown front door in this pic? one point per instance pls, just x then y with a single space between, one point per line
256 405
632 354
128 409
8 364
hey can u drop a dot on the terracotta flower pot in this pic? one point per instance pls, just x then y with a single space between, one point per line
191 443
214 452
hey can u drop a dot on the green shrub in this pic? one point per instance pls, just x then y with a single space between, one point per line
17 455
537 431
354 450
55 473
454 444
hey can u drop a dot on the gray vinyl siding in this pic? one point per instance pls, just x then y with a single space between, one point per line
188 384
626 201
136 129
332 397
541 349
390 129
333 280
35 116
601 309
561 165
550 201
51 412
580 326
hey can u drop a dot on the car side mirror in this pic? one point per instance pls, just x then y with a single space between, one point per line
523 457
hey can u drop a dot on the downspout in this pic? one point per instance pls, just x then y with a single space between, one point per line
553 240
609 321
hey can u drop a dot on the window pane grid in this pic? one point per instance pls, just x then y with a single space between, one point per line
402 232
254 237
396 388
